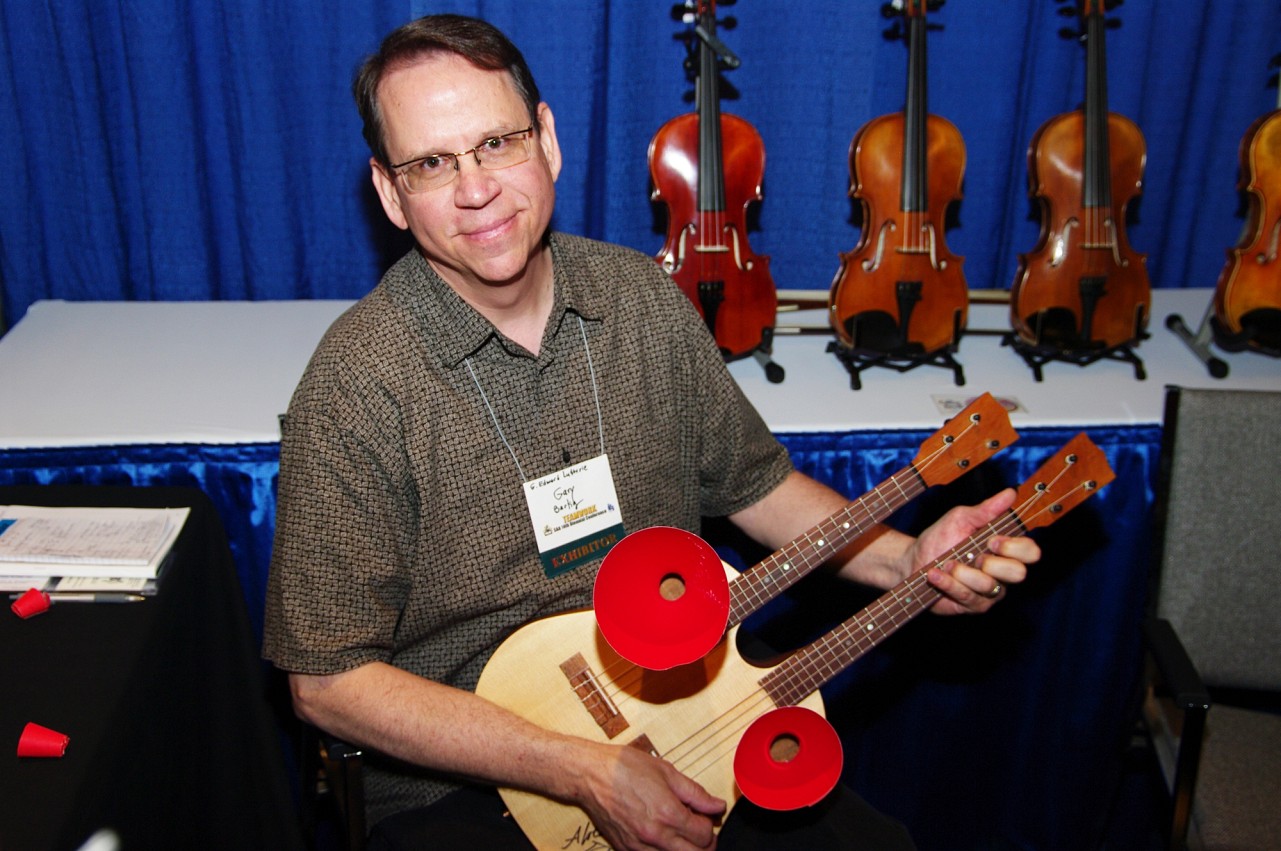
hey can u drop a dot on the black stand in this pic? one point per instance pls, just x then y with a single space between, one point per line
1199 342
762 355
1260 332
857 360
1036 356
890 347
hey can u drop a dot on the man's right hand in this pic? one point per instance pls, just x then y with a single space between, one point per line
641 802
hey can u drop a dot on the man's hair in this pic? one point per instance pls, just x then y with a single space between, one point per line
474 40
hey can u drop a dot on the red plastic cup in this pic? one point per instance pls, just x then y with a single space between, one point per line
803 777
32 603
37 741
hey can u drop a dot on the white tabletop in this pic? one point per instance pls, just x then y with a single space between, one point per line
110 373
816 394
114 373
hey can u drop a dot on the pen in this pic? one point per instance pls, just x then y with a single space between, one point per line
88 597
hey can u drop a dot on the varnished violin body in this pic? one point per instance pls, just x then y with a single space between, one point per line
901 291
707 168
901 287
1083 288
706 251
1247 296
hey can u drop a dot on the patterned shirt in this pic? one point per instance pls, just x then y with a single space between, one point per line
403 535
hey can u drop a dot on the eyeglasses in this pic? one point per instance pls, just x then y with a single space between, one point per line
496 152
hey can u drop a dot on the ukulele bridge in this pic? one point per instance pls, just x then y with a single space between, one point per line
582 679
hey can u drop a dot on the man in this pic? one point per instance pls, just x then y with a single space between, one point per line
413 534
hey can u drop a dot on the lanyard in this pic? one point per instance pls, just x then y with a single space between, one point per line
600 427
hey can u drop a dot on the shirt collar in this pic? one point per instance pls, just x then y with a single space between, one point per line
458 329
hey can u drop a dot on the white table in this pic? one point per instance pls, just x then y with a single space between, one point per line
118 373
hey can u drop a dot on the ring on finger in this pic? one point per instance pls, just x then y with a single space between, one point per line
995 592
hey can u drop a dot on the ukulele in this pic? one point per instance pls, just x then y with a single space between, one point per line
568 652
560 674
707 167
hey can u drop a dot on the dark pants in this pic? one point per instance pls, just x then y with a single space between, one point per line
475 817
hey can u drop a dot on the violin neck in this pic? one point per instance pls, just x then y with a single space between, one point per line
1097 189
914 190
711 179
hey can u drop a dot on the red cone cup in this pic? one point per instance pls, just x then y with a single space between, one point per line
810 770
637 611
37 741
32 603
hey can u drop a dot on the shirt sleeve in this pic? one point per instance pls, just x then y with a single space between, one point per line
335 588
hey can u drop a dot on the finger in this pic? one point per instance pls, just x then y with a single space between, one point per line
693 795
1021 549
958 597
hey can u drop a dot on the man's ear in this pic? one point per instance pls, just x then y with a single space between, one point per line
388 194
547 138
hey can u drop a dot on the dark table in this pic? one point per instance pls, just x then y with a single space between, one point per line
173 741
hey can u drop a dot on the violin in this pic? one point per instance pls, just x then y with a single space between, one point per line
707 168
901 291
1247 296
1083 289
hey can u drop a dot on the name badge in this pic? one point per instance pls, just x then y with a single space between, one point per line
575 514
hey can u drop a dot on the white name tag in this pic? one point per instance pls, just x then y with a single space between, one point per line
575 514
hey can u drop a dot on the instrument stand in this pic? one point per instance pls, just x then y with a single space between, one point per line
1199 342
762 354
1037 356
773 372
857 360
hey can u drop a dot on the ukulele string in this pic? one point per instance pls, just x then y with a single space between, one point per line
711 743
617 680
708 745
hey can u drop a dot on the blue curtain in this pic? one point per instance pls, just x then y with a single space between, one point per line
179 150
240 480
979 733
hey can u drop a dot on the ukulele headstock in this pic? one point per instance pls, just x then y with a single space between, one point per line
971 437
1068 478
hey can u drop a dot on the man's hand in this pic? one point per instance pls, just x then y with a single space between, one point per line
640 802
973 588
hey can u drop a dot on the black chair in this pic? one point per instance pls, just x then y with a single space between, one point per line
333 788
1212 703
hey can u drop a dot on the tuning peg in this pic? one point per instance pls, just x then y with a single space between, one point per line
892 9
1068 32
894 31
684 12
728 23
728 2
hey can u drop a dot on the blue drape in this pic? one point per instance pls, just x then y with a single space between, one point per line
979 733
240 479
182 150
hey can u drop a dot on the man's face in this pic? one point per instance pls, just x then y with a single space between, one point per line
481 230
